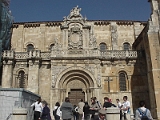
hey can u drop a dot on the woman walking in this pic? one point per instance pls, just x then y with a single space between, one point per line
37 109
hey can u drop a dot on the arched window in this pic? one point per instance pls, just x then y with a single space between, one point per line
122 81
51 46
21 79
103 47
126 46
30 47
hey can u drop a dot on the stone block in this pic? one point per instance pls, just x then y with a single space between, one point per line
113 113
19 114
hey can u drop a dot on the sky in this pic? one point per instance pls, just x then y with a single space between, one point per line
55 10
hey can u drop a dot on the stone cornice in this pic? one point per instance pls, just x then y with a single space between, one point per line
27 25
125 23
53 24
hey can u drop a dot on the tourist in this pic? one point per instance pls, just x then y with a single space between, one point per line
56 111
94 108
37 109
119 105
125 107
86 111
45 112
107 103
75 112
143 112
80 109
67 109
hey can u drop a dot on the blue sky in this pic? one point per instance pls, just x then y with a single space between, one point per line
55 10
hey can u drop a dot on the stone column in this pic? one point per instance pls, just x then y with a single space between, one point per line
113 113
19 114
7 74
33 76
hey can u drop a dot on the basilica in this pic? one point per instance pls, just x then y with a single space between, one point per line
80 59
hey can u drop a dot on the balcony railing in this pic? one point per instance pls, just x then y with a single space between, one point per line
71 54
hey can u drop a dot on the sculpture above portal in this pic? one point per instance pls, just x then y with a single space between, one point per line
77 32
74 16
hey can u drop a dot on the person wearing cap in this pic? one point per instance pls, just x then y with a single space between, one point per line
101 115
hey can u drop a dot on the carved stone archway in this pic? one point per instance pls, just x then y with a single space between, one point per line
75 79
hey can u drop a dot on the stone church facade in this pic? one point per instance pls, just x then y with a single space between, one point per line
80 58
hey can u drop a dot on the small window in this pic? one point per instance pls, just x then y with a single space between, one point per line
126 46
122 81
103 47
51 46
30 47
21 79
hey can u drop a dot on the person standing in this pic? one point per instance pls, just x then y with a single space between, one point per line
86 111
94 108
45 112
67 109
56 111
37 109
143 112
119 105
125 107
80 109
107 104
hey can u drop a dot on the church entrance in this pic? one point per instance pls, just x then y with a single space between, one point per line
75 95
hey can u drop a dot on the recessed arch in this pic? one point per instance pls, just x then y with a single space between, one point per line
73 73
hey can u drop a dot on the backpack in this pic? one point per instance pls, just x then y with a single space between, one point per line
143 114
55 111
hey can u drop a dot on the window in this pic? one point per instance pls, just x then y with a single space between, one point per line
126 46
30 47
122 81
103 47
51 46
21 79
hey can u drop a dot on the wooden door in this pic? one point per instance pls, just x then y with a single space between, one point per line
75 95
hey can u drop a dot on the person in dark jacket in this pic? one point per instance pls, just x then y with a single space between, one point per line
67 109
86 111
107 104
45 112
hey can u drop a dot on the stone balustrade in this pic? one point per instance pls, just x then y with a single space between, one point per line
71 54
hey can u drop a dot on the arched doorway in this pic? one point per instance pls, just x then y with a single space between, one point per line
76 84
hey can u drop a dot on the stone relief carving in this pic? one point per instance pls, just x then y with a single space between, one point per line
99 80
55 72
75 40
93 42
56 45
114 36
90 68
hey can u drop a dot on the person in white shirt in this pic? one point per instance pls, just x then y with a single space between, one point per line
56 111
125 107
143 110
38 109
119 105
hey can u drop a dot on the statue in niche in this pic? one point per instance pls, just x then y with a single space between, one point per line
93 42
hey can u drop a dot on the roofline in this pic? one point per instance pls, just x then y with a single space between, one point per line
143 22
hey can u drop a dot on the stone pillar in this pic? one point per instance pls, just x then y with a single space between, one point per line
7 74
19 114
113 113
33 76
